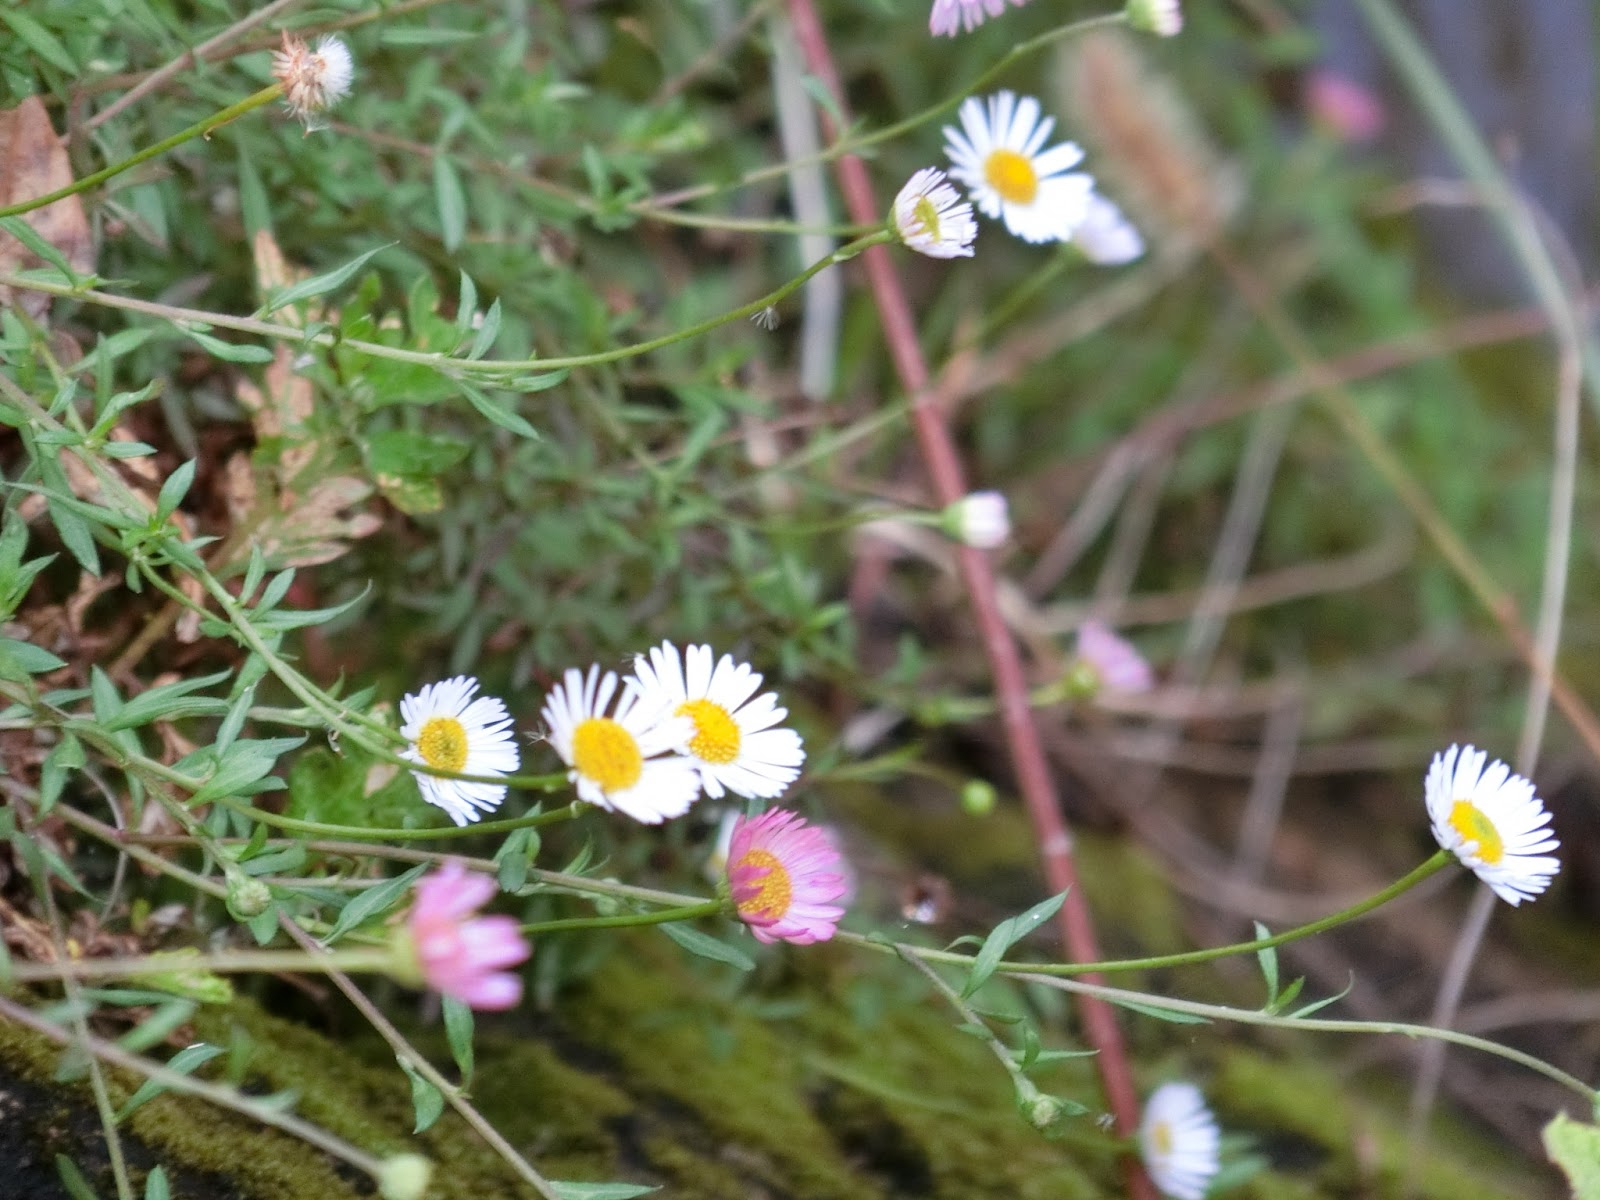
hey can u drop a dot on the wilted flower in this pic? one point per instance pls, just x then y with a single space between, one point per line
1179 1141
451 731
730 738
313 80
998 155
1163 17
979 519
952 16
458 954
614 754
785 877
1492 821
932 219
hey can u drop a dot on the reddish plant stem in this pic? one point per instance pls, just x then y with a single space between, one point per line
1011 688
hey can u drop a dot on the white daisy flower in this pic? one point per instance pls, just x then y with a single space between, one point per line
451 731
1105 236
1491 820
313 80
932 219
951 16
980 519
614 755
998 154
1179 1141
1161 17
731 740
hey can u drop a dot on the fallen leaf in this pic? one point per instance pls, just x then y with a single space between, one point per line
33 163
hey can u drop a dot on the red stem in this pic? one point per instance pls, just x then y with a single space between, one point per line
1011 689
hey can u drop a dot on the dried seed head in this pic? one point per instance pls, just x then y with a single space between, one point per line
313 80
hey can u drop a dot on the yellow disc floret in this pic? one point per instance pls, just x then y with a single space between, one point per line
776 894
443 743
1012 175
716 734
607 753
1468 820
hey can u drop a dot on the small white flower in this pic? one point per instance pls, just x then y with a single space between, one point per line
932 219
1492 821
1179 1141
729 739
451 731
613 755
980 519
952 16
1161 17
1105 236
998 154
313 80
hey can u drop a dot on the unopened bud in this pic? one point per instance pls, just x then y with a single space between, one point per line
977 798
404 1177
247 898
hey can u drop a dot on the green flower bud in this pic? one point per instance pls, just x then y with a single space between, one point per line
977 798
247 898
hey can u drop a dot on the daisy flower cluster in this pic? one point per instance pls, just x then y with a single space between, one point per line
648 745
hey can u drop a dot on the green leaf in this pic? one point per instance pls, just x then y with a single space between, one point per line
406 452
598 1191
451 200
458 1027
1163 1014
21 659
515 857
318 285
427 1100
40 40
495 411
373 902
417 35
167 703
487 332
1007 934
1575 1148
175 488
155 1185
29 237
184 1062
75 535
707 946
66 758
72 1179
243 768
1268 958
234 352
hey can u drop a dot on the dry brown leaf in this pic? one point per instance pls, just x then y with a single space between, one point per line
33 162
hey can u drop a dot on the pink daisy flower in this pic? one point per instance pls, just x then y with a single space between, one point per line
1115 664
950 17
785 876
459 954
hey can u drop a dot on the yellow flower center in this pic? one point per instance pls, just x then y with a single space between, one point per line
1161 1137
716 734
772 901
443 743
1012 175
607 753
925 215
1468 820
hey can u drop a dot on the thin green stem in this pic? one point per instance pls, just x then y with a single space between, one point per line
362 833
265 96
1406 882
237 962
1244 1016
689 912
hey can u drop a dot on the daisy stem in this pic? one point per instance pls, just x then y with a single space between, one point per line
199 129
691 912
362 833
1406 882
235 963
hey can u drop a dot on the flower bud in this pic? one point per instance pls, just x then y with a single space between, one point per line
404 1177
247 898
